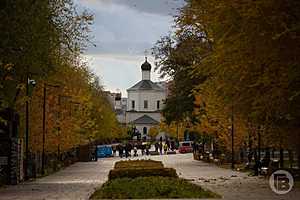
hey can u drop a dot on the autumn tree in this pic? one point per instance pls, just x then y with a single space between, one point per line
174 59
251 66
36 36
43 40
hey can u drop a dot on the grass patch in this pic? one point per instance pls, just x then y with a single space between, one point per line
151 187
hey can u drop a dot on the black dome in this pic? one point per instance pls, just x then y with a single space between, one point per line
146 66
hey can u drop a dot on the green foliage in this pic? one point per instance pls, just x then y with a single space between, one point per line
174 58
249 58
151 188
138 164
43 40
137 168
37 37
141 172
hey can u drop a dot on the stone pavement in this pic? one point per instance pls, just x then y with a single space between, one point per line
80 180
77 181
232 185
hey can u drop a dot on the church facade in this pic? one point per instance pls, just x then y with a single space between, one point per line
144 102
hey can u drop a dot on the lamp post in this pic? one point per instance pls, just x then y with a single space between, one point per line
259 131
32 83
27 131
44 122
259 143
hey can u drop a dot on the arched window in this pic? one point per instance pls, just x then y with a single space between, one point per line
145 130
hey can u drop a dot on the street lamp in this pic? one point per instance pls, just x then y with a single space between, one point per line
260 129
30 82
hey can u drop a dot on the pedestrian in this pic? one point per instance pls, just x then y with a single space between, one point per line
147 149
168 144
194 147
135 151
257 163
127 149
165 148
160 148
172 145
114 148
156 146
143 149
120 150
95 153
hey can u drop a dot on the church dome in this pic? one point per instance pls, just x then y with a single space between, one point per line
146 66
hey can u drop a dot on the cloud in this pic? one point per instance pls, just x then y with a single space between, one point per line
120 29
161 7
123 30
119 71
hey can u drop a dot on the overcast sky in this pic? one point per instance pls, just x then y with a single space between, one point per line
122 31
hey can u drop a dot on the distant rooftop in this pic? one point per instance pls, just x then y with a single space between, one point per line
146 85
145 119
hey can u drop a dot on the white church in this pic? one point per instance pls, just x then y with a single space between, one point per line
144 102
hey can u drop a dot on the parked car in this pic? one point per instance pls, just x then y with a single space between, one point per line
104 151
185 147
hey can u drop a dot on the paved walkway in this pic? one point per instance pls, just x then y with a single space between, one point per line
77 181
232 185
80 180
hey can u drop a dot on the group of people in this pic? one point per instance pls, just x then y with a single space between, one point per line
129 149
167 146
125 150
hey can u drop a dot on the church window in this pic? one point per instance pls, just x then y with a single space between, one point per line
145 104
132 104
158 105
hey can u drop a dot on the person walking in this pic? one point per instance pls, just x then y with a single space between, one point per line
147 149
120 149
143 149
160 148
127 149
172 145
165 148
114 148
135 152
156 146
168 143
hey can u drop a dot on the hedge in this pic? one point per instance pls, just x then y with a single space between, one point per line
151 188
138 164
141 172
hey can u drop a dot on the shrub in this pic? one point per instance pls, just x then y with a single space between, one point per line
151 187
141 172
138 164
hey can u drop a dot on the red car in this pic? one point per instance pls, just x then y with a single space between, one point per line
185 147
